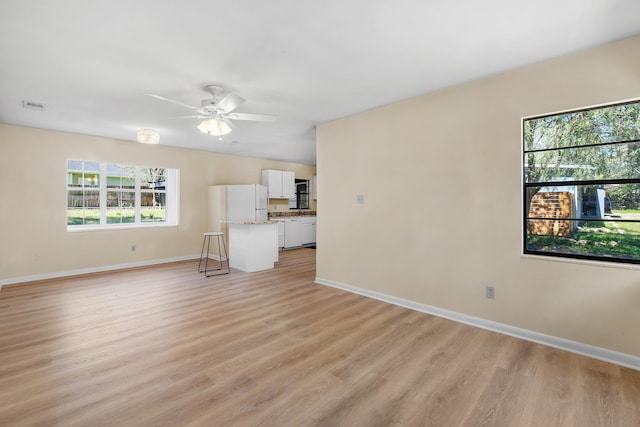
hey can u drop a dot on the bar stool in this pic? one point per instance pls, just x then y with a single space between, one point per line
207 239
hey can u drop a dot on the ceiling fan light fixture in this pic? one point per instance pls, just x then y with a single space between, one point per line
148 136
214 127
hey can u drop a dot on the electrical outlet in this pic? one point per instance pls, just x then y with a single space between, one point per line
491 292
133 248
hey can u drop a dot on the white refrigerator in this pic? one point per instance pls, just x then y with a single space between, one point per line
234 203
237 203
245 202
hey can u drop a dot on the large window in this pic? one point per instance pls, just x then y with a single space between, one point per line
106 195
581 187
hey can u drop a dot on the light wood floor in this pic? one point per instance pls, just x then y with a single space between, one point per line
165 346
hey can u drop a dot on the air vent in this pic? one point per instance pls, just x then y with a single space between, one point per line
32 105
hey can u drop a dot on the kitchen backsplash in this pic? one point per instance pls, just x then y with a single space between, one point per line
291 213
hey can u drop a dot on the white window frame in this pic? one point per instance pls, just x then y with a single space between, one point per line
172 200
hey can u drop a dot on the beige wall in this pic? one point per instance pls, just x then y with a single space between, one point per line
441 177
33 234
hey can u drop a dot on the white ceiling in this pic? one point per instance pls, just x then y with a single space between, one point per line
308 62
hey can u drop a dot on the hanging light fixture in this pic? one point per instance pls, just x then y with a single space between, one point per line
214 127
148 136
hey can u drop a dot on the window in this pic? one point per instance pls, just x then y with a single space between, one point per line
105 195
581 188
301 200
121 194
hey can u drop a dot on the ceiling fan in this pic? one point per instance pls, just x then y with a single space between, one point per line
217 112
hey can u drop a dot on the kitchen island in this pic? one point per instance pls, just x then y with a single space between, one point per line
253 244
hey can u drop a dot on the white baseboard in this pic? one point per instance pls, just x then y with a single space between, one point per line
599 353
56 275
215 257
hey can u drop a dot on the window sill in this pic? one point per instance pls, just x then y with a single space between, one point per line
593 263
81 228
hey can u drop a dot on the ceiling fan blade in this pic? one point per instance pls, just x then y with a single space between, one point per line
162 98
228 122
190 117
229 102
253 117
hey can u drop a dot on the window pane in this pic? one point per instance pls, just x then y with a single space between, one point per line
91 207
91 176
74 173
303 201
91 180
153 208
74 179
120 207
75 207
620 161
75 199
128 181
113 181
616 201
83 174
585 221
120 176
74 165
83 207
153 178
601 125
609 239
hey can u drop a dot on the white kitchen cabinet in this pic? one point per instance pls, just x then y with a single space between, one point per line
280 234
315 187
308 230
288 185
281 184
293 233
272 179
252 247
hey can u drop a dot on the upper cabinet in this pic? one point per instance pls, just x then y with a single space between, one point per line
288 185
273 181
281 184
315 187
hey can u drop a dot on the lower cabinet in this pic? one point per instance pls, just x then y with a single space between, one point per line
292 233
252 246
298 231
308 231
280 234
